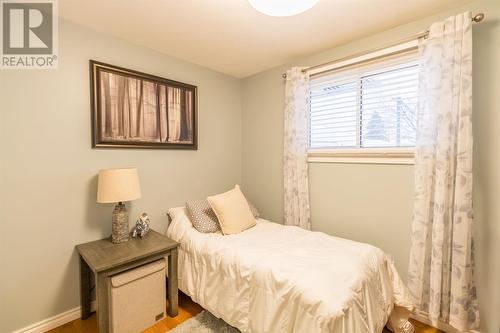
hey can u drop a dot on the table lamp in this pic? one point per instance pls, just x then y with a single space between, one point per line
117 186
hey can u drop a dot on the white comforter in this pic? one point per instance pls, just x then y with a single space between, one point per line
275 278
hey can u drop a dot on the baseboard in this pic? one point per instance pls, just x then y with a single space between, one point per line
70 315
423 318
55 321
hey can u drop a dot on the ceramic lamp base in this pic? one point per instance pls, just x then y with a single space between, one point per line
120 228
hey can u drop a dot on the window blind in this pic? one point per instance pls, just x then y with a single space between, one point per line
371 106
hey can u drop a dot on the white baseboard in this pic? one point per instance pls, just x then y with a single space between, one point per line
55 321
422 317
70 315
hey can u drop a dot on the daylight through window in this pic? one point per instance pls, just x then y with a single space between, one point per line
373 106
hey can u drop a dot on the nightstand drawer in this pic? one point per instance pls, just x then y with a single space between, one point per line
137 298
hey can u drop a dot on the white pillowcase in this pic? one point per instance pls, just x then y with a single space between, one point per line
232 211
176 212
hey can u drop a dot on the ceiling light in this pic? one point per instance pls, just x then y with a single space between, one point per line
282 7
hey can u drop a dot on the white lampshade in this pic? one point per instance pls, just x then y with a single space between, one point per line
118 185
282 7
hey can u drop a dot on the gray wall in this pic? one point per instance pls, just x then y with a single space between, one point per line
373 203
48 169
48 182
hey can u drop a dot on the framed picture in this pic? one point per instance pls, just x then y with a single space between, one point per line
131 109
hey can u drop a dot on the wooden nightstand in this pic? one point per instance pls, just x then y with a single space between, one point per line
105 259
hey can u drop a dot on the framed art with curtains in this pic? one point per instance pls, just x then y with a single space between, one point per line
131 109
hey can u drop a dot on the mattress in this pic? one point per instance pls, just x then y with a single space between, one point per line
275 278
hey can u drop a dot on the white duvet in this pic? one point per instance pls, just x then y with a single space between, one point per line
275 278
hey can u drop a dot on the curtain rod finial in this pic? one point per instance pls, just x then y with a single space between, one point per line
478 17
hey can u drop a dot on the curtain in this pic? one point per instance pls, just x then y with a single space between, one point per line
296 185
440 276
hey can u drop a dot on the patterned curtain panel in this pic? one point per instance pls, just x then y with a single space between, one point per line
295 172
441 264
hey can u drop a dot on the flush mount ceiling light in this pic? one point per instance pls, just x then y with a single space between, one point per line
282 7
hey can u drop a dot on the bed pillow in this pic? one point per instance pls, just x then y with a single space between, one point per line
202 216
176 212
232 210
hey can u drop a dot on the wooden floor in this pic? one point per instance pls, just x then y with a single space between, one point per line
187 309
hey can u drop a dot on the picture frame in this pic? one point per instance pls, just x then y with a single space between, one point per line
132 109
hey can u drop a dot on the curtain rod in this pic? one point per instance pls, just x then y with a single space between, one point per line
476 19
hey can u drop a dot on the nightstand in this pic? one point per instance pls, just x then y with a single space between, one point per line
106 259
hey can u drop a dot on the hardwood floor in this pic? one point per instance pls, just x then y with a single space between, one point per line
187 309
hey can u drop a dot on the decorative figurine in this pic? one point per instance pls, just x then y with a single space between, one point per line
141 226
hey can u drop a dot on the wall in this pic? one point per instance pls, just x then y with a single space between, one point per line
48 169
373 203
48 183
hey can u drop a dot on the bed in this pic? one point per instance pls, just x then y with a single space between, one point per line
275 278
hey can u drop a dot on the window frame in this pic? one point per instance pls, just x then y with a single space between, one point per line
388 155
362 155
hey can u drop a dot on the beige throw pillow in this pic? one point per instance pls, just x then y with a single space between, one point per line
232 211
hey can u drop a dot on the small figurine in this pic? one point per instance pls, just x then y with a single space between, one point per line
141 226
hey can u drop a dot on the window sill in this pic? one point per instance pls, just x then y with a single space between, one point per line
362 156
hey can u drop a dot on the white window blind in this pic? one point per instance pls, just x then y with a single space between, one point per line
370 106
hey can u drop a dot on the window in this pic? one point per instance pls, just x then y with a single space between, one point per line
370 108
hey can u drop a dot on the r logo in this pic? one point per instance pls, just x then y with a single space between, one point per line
27 28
